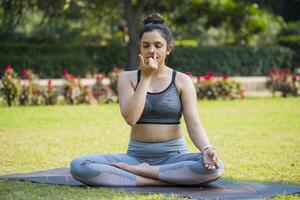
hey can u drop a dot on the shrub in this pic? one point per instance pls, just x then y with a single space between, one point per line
290 37
103 93
71 89
211 87
9 85
31 93
49 60
50 95
113 77
284 82
234 60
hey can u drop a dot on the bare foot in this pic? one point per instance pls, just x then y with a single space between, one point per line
143 169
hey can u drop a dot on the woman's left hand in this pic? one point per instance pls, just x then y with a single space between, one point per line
210 158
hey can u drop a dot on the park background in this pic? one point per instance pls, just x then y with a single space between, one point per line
72 51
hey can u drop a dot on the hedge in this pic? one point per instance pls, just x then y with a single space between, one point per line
50 60
232 60
292 42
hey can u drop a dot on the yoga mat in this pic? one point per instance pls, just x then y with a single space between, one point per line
224 189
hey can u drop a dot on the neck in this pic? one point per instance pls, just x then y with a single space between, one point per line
161 69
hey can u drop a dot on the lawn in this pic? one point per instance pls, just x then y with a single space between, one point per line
258 140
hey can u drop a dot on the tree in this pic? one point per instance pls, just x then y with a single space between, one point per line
132 14
222 22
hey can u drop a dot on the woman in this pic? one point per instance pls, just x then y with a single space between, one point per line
152 101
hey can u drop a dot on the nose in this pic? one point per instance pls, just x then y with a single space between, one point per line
151 49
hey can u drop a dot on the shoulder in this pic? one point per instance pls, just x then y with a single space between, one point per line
128 77
186 90
183 81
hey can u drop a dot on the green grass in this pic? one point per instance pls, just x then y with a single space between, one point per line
258 140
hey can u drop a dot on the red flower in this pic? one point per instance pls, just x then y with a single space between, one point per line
8 69
294 78
49 86
100 77
211 74
286 71
25 73
207 77
65 72
71 76
225 77
188 73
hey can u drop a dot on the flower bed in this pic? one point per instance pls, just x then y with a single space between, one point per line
283 82
101 88
25 90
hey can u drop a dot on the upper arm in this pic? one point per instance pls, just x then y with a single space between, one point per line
189 101
125 89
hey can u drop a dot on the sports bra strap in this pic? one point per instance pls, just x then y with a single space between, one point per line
173 76
139 77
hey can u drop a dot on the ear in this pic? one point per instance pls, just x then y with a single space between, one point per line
169 49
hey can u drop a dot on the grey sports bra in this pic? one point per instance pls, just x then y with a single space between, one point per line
162 107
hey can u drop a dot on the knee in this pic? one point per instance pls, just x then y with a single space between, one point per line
83 168
76 167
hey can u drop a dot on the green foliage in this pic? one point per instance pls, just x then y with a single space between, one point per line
104 93
93 22
72 89
231 60
50 61
107 57
9 86
50 95
30 93
284 82
290 37
211 88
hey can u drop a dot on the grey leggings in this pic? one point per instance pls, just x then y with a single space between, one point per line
176 165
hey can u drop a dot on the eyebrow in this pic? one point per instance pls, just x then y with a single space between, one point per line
153 42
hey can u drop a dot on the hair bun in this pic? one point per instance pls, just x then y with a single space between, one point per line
154 18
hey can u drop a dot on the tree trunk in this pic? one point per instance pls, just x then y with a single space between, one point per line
132 15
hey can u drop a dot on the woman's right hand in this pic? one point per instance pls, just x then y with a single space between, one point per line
148 66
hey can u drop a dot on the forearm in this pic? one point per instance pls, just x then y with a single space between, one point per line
199 137
134 107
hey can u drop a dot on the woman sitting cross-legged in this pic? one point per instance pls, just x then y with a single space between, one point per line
152 101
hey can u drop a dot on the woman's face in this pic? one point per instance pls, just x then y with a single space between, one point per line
152 42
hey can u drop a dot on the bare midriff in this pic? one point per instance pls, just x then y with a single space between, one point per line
155 132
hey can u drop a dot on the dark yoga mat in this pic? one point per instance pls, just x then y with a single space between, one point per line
224 189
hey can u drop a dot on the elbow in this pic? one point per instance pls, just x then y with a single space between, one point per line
130 122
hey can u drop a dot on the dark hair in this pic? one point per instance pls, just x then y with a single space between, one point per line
155 21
